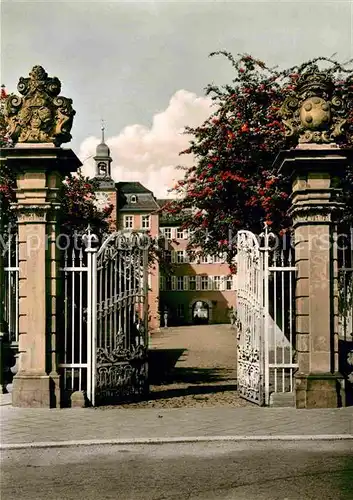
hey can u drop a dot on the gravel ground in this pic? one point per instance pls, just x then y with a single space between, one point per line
193 366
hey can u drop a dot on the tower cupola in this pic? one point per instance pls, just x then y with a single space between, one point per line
103 159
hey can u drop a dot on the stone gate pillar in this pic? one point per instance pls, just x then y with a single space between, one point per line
315 165
38 124
315 210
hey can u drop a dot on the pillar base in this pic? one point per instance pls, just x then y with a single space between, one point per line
319 390
37 390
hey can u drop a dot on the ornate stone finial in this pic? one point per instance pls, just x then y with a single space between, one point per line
314 113
41 115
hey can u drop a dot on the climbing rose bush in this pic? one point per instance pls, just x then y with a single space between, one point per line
233 184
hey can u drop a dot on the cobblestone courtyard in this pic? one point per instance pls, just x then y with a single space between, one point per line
193 366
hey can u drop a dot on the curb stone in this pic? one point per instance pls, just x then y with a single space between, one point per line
186 439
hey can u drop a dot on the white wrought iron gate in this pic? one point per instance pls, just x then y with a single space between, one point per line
105 345
265 317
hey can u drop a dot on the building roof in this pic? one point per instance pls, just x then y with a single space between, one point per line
163 201
169 219
145 201
131 188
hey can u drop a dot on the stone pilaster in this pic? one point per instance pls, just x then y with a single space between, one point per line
315 210
40 172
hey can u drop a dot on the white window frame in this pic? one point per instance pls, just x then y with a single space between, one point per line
216 283
133 199
130 218
198 283
223 283
192 279
204 283
174 283
186 282
162 283
166 230
210 283
229 279
180 283
143 220
180 232
180 254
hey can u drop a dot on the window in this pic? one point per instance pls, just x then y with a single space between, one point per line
218 259
180 283
229 283
168 255
179 233
216 282
133 199
128 221
167 232
102 168
174 282
192 282
204 282
145 221
203 259
180 256
180 310
168 283
162 283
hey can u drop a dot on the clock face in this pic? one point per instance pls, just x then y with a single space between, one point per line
102 200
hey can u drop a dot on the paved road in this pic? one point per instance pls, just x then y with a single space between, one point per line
227 471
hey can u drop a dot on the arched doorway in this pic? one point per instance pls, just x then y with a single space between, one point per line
200 313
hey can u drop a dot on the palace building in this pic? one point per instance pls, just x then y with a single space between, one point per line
184 290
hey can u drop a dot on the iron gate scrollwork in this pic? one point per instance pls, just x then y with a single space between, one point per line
265 311
249 324
120 318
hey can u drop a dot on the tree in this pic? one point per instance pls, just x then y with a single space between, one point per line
77 196
233 184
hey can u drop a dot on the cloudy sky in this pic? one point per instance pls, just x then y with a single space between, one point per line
143 65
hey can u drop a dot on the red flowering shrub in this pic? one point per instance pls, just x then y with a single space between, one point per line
233 184
77 196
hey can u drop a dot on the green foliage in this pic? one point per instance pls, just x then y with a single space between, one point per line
233 184
78 207
77 196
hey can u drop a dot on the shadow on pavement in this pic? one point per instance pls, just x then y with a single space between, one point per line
163 372
161 362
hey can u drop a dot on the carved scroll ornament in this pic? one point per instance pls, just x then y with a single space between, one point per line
314 113
41 115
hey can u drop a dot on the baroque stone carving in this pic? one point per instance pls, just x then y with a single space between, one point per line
315 213
31 213
314 113
41 115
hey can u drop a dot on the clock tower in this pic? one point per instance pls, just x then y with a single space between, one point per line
106 192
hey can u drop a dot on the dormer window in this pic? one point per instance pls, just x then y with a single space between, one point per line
133 199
